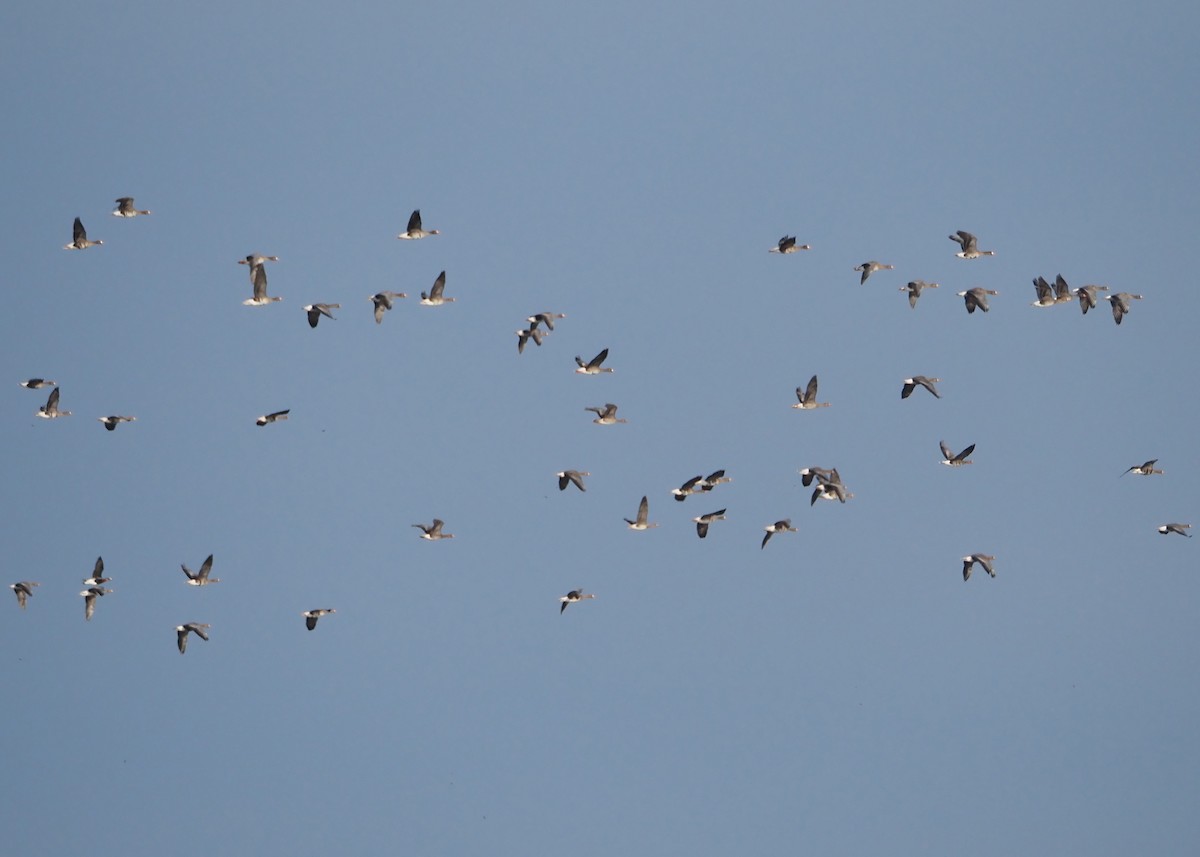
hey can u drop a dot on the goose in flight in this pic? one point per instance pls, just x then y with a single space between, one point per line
546 318
315 311
607 415
89 600
23 590
1120 304
1045 293
571 477
79 238
640 522
38 383
200 578
434 297
806 398
267 419
383 303
1087 296
784 526
912 383
1146 469
702 521
976 298
821 474
433 532
527 334
869 268
952 460
414 230
97 578
1167 529
985 562
692 486
50 411
571 597
592 367
111 422
126 208
787 244
969 245
311 616
1063 293
830 489
712 480
182 631
258 279
914 289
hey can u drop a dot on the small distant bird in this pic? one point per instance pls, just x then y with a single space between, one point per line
267 419
914 289
200 578
125 208
702 521
911 384
1045 293
712 480
640 522
433 532
970 246
952 460
315 311
383 303
1146 469
1120 304
976 298
50 411
808 474
571 597
1087 296
258 279
112 422
80 240
414 230
807 397
38 383
869 268
784 526
787 244
89 599
1165 529
688 488
182 631
571 477
97 578
524 336
984 561
311 616
23 590
607 415
546 318
592 367
434 297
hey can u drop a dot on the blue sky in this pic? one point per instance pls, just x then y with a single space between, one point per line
842 690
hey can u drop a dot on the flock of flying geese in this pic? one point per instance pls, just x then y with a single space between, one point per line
827 484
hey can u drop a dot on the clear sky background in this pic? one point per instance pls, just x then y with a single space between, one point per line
629 164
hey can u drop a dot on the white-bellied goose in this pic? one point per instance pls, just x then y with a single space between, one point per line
640 522
985 562
976 298
546 318
433 532
50 411
181 633
97 578
1063 293
38 383
414 230
311 616
787 244
23 590
315 311
1045 292
806 398
912 383
592 367
821 474
267 419
914 289
200 578
126 208
111 422
89 600
435 296
383 303
1120 304
527 334
969 245
1146 469
571 597
258 279
832 489
571 477
869 268
607 415
1167 529
692 486
703 521
713 479
79 238
950 459
784 526
1087 296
